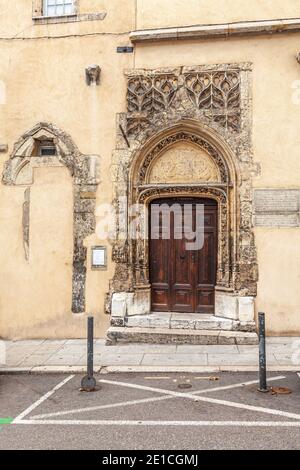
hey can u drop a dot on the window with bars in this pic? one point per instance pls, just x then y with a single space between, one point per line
58 7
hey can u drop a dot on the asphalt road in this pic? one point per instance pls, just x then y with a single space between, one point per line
149 411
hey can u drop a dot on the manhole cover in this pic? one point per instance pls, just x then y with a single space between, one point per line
185 385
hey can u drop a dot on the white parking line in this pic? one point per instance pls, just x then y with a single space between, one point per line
207 400
148 400
28 410
100 407
105 422
238 385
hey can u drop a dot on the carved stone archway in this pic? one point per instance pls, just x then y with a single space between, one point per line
18 171
208 108
131 254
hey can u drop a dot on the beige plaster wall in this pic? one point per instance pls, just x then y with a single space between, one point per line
279 279
45 81
16 19
158 14
275 136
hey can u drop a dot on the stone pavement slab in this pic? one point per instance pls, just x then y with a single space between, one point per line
59 355
181 359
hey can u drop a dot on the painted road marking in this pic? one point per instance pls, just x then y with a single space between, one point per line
240 384
100 407
6 420
104 422
207 400
41 400
147 400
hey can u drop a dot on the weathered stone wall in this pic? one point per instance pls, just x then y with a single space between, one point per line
44 80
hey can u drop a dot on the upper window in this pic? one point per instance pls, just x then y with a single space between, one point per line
58 7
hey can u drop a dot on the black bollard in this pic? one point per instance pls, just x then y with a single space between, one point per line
88 383
262 354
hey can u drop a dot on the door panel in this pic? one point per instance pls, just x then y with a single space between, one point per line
183 280
160 253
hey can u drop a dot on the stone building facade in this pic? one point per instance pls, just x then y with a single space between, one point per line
102 112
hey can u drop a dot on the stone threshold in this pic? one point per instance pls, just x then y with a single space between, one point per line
189 321
178 336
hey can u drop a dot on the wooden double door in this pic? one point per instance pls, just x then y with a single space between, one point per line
182 279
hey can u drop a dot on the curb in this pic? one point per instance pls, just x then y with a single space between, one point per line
142 369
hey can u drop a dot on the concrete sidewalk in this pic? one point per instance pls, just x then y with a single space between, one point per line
70 355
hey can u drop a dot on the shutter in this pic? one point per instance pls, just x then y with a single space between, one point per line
37 8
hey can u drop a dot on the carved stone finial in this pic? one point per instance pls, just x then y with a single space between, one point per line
93 73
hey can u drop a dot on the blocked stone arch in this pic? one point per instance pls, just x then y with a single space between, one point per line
84 169
237 268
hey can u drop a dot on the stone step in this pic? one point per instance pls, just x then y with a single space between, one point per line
191 321
178 336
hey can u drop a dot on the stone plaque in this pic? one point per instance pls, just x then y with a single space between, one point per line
276 207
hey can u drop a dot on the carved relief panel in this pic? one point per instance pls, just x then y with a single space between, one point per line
183 164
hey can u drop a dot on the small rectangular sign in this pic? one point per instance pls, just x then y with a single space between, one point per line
125 49
99 258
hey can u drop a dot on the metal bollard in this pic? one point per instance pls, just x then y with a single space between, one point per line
262 354
88 383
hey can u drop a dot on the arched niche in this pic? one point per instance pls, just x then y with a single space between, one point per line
18 171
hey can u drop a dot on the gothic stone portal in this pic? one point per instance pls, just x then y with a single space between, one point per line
188 135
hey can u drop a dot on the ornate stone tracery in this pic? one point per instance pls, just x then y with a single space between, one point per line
204 107
18 170
214 93
219 93
151 94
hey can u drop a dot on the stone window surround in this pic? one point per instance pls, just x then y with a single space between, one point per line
39 18
38 7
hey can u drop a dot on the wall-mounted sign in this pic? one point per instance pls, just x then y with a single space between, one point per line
99 257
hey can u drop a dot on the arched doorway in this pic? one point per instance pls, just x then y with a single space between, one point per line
183 254
186 160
